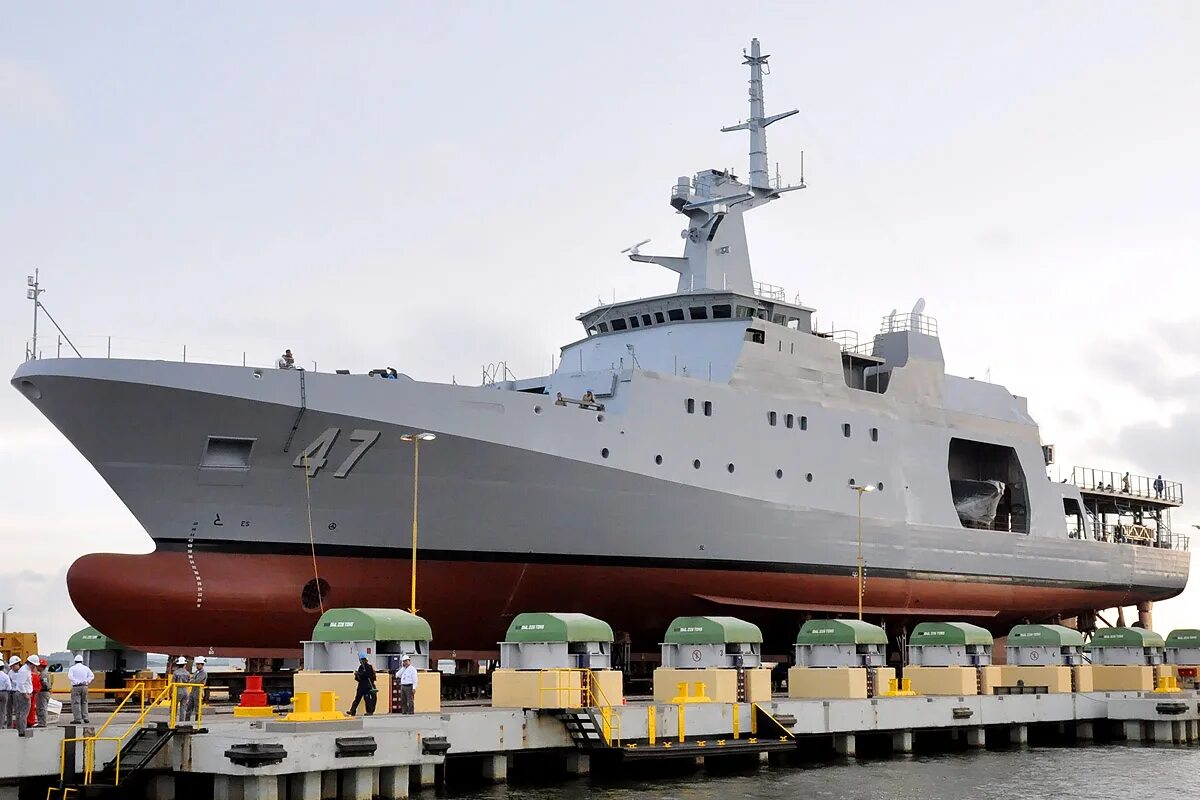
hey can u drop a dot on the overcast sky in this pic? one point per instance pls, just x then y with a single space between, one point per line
437 186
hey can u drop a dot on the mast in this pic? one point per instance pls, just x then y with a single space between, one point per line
760 177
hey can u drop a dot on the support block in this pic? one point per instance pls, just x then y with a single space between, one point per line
393 783
844 744
1084 731
1161 732
425 775
579 763
305 786
1133 730
1019 735
495 768
260 787
902 741
976 737
227 787
329 784
358 784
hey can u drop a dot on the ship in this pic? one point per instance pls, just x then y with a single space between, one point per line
704 451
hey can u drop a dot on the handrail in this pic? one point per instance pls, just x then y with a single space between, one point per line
590 696
169 696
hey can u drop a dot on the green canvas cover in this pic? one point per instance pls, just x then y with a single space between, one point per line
1045 635
840 631
1184 637
1125 637
92 639
712 630
371 625
950 633
558 627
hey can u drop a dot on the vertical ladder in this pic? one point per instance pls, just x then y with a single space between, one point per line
871 678
741 684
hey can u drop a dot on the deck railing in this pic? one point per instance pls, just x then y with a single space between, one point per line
1126 484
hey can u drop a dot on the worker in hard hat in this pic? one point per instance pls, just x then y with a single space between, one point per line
23 686
181 675
5 694
366 692
42 698
14 664
35 677
196 695
81 677
408 685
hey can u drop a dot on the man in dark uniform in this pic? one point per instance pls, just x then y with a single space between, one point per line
364 676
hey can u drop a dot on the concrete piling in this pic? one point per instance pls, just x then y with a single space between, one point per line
578 763
260 787
305 786
1133 730
843 744
495 768
357 784
1084 731
976 737
393 783
160 787
1019 735
902 742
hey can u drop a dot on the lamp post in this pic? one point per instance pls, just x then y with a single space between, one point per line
861 491
4 619
416 439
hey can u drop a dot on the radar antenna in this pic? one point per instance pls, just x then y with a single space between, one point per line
633 249
760 178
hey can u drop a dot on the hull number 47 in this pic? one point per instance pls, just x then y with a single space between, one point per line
316 455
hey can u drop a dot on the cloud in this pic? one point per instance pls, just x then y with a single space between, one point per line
40 604
29 95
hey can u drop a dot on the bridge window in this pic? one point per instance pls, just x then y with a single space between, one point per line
745 313
633 322
698 312
722 312
619 325
675 314
646 320
659 318
603 326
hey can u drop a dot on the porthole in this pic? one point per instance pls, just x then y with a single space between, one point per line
778 473
846 429
879 486
696 464
730 468
604 453
537 409
599 418
658 460
808 477
874 434
852 483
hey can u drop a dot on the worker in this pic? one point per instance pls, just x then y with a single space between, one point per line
81 680
5 694
589 398
1125 483
364 676
408 685
181 675
196 696
42 698
286 361
1159 485
23 686
14 664
35 678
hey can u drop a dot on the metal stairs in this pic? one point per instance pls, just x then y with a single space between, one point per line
583 727
135 754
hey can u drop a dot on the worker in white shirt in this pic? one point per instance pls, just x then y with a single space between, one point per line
81 680
196 696
5 694
14 664
23 686
408 685
181 675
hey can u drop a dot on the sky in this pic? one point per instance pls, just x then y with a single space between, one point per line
436 187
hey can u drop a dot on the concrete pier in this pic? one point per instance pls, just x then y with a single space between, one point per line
1019 735
1133 730
578 763
393 783
844 745
357 784
495 768
260 787
976 737
305 786
902 742
1084 731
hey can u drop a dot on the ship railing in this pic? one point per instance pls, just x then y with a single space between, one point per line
770 291
918 323
1126 484
135 348
1160 536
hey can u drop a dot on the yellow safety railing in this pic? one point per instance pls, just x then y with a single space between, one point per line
170 696
582 693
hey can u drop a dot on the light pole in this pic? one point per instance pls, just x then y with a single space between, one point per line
861 491
4 619
416 439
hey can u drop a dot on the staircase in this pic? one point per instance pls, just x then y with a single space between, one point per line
135 754
583 727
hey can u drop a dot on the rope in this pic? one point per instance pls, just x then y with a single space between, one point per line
311 541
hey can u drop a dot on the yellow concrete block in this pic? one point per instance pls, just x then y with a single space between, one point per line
1083 678
720 684
1056 679
989 678
1119 678
610 683
958 681
428 697
839 682
343 685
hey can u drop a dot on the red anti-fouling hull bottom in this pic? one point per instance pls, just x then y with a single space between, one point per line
257 604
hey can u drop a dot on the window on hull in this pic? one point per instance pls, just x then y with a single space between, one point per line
987 485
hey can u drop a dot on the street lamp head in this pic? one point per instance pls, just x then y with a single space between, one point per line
861 489
414 437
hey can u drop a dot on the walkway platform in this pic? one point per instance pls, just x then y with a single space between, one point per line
389 756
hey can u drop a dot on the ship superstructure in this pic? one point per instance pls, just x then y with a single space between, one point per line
692 452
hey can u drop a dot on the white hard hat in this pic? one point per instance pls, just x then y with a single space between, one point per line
181 661
33 659
12 662
200 660
407 657
79 658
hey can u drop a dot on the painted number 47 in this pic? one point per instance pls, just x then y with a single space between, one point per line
316 455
